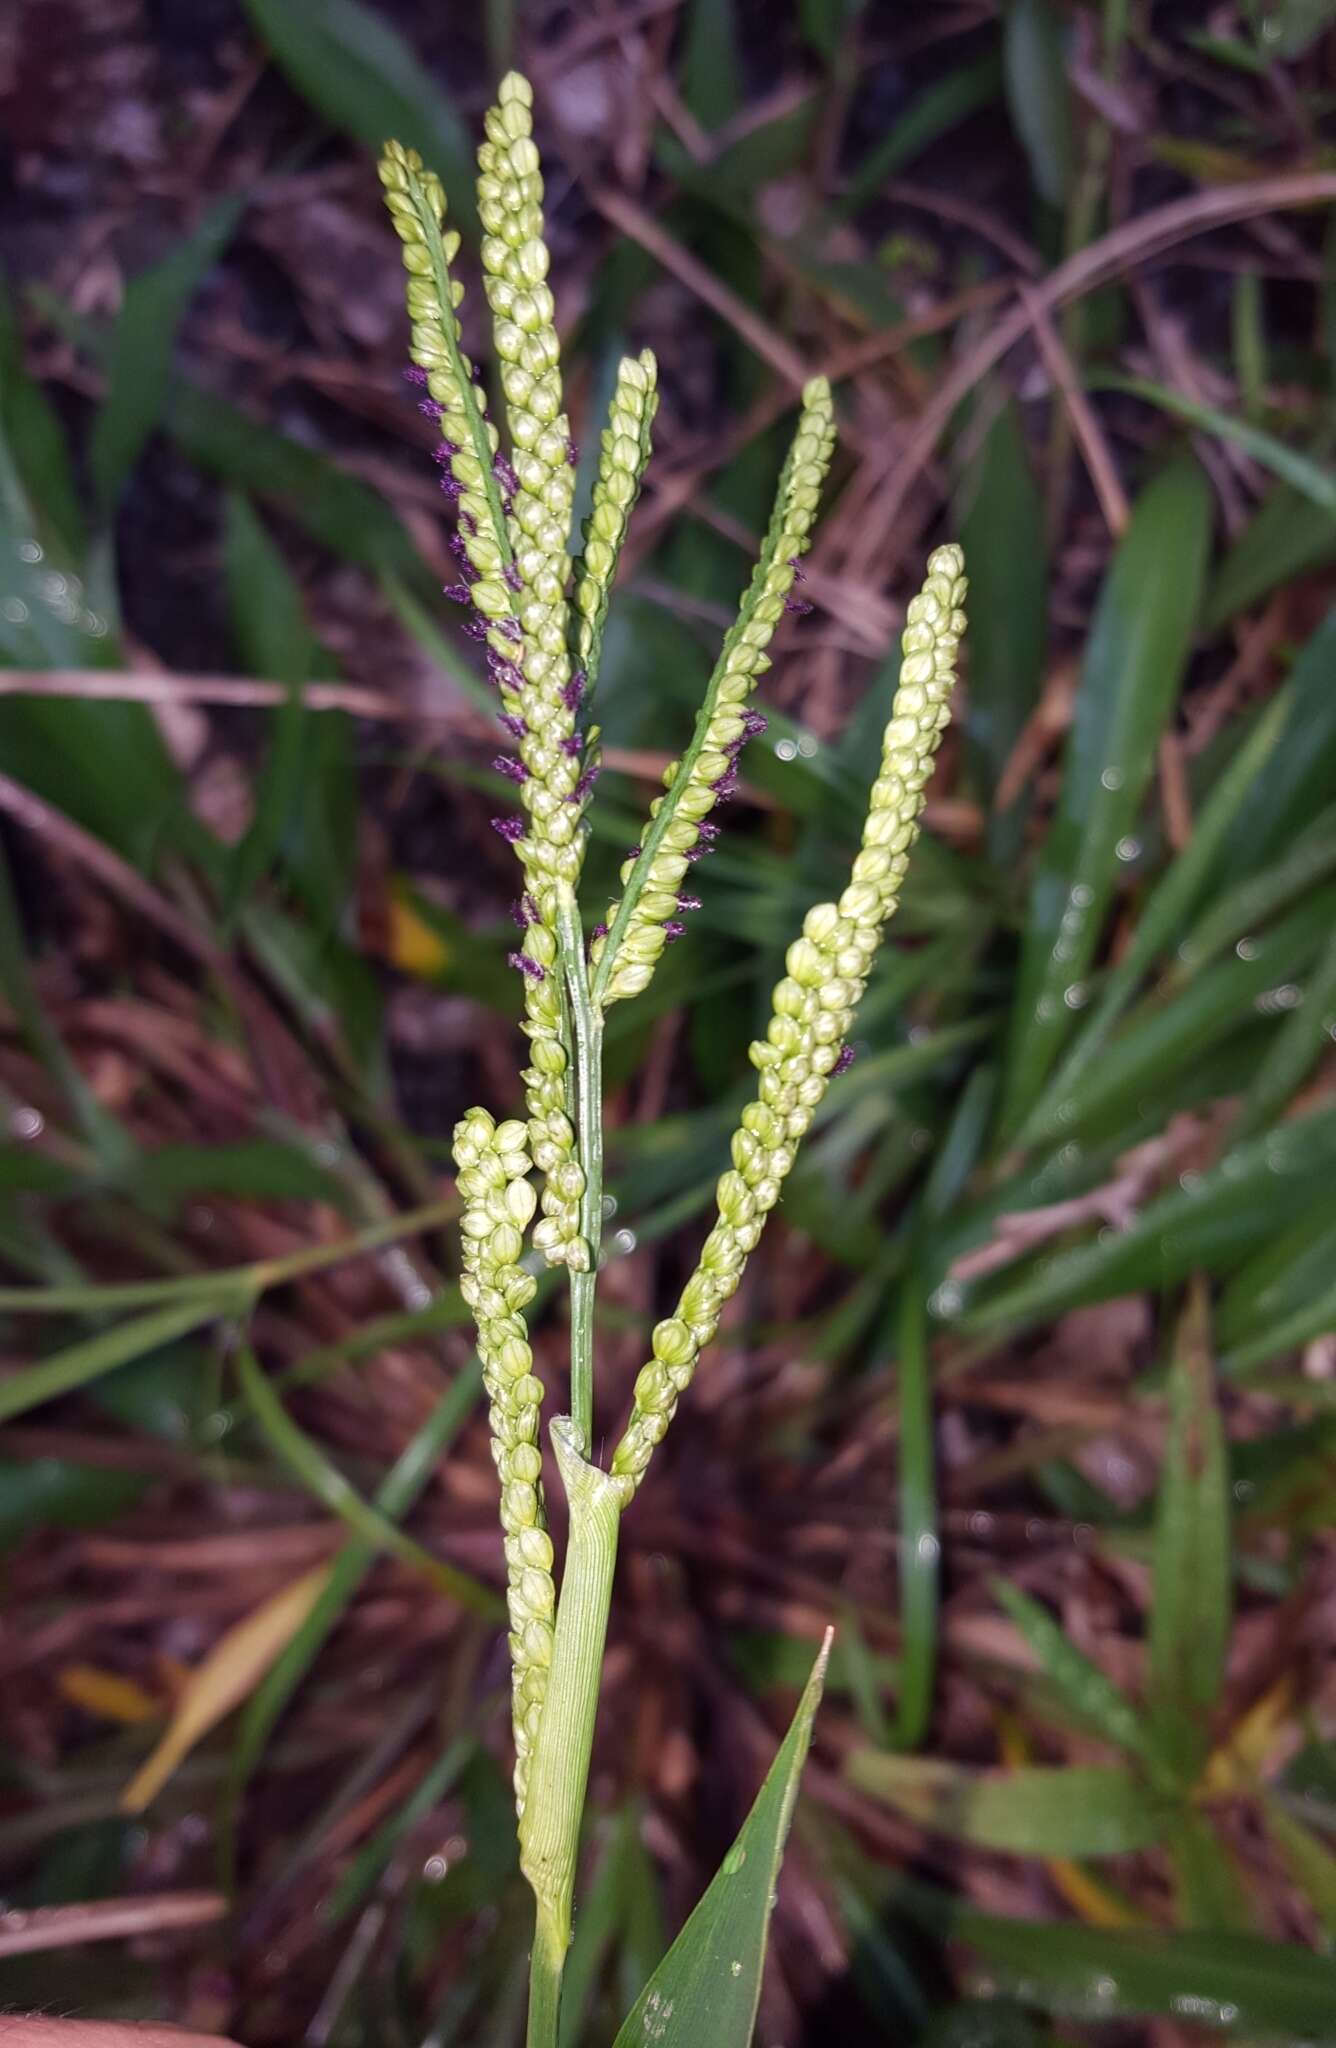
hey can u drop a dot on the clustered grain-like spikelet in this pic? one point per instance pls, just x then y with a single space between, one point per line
493 1167
813 1010
514 525
623 456
640 923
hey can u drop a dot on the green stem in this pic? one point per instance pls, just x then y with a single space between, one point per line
559 1772
546 1961
588 1035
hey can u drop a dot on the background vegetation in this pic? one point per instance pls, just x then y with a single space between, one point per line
1030 1388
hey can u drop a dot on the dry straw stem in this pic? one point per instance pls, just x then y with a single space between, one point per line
814 1007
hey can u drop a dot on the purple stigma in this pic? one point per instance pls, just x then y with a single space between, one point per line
845 1061
505 475
430 409
476 628
511 627
634 852
688 902
503 673
726 783
600 931
673 929
705 831
519 915
467 520
573 690
510 829
506 764
573 746
414 374
573 454
444 452
754 723
513 723
585 784
799 573
527 967
458 593
513 577
799 606
452 487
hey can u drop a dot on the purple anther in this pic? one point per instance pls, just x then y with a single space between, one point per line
634 852
467 520
673 929
513 723
527 967
510 829
506 764
511 627
503 673
572 691
845 1060
476 628
573 746
458 593
415 374
573 454
519 915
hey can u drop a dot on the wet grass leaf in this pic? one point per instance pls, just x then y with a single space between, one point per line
708 1985
1134 662
1034 1810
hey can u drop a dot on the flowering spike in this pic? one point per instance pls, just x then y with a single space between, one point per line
624 961
624 455
814 1005
493 1169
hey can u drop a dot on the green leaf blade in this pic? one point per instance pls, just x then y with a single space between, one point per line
708 1986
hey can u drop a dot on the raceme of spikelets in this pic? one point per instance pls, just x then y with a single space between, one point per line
640 924
623 456
493 1168
514 523
813 1010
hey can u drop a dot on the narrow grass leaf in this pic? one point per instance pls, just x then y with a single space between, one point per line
140 352
1255 1190
1089 1695
1190 1609
1035 1810
1134 662
225 1678
394 1497
1207 1879
1288 536
1301 1040
78 1365
919 1543
362 77
1311 1863
1035 70
31 427
1002 531
939 108
366 1868
708 1985
1313 480
1162 917
1238 1985
308 1463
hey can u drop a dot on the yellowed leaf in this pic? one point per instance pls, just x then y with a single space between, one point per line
230 1672
411 944
108 1695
